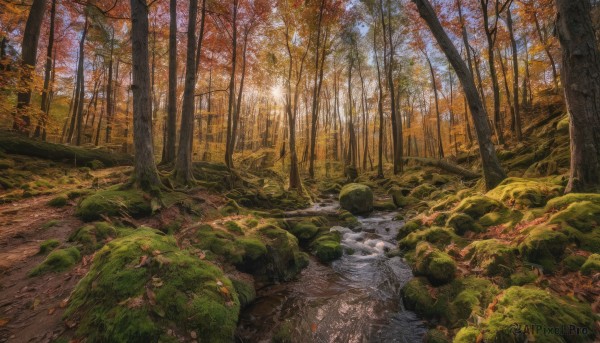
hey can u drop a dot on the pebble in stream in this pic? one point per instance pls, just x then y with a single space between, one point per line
356 299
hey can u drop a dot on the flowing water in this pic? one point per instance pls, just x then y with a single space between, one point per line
355 299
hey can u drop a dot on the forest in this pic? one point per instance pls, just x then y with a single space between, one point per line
300 171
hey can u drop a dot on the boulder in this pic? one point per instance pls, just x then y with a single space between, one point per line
356 198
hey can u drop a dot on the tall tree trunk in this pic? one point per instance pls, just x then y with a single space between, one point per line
231 101
183 163
581 79
81 77
492 171
379 108
440 147
45 106
546 45
145 174
515 62
31 37
170 141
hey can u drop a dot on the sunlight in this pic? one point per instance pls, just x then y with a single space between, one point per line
277 92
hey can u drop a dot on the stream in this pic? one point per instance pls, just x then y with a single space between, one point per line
355 299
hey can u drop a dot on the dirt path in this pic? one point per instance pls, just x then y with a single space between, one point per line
31 308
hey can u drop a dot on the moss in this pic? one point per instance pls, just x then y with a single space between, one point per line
234 227
521 307
408 228
6 164
77 193
356 198
567 199
251 222
220 243
436 235
141 285
416 297
347 219
304 231
467 334
253 248
58 201
437 266
544 246
93 236
384 205
525 192
49 224
463 223
422 191
492 256
476 206
573 263
230 208
57 261
582 215
326 247
245 291
591 265
283 334
113 202
523 277
504 216
48 245
95 164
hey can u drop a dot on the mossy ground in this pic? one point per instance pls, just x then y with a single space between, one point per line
57 261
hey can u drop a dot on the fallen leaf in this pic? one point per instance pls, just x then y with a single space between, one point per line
143 261
64 303
36 302
51 310
156 252
151 296
313 327
3 321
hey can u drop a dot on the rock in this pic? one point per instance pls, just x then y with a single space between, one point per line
591 265
437 266
356 198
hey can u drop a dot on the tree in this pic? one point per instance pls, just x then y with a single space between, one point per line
145 174
31 38
40 130
171 133
581 80
492 171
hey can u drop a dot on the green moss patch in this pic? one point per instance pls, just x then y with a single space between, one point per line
477 206
326 247
567 199
142 285
436 235
57 261
544 246
356 198
525 192
245 291
463 223
591 265
437 266
48 245
492 256
114 202
58 201
92 237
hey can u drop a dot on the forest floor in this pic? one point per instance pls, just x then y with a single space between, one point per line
84 255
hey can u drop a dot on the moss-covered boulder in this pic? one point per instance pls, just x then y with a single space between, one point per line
525 192
591 265
582 215
143 288
408 228
48 245
463 223
114 202
57 261
477 206
492 256
519 308
245 291
567 199
347 219
304 230
384 205
326 247
437 266
58 201
467 334
423 191
543 245
356 198
436 235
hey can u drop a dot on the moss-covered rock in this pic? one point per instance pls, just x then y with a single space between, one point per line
492 256
518 308
591 265
347 219
435 336
93 236
467 334
304 230
567 199
48 245
57 261
423 191
326 247
245 291
58 201
476 206
356 198
544 246
384 205
504 216
408 228
436 235
582 215
463 223
437 266
523 277
525 192
573 263
417 297
113 202
142 285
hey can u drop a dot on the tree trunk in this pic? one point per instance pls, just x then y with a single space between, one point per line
183 164
171 130
31 37
145 174
231 101
581 80
379 109
492 171
440 146
515 61
45 106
